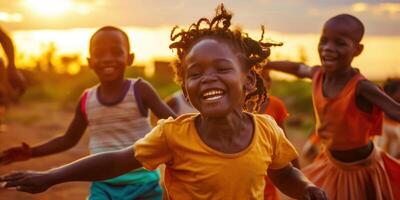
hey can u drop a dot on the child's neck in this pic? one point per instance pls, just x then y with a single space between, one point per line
340 75
229 134
334 82
111 91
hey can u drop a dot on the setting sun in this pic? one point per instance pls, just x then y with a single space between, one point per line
48 7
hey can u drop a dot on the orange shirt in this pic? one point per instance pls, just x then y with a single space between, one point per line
196 171
276 108
339 121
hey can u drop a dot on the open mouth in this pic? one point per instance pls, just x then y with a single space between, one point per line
212 94
328 59
108 70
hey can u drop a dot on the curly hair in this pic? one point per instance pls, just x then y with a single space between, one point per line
253 53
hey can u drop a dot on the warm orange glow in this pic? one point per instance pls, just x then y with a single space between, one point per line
378 60
48 7
10 17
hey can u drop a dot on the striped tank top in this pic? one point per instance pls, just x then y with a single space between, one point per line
117 126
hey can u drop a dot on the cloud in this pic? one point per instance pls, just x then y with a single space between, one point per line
359 7
10 17
381 17
391 10
380 8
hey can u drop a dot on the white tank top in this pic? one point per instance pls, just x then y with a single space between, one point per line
114 127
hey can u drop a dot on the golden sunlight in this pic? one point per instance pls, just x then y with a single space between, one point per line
48 7
378 61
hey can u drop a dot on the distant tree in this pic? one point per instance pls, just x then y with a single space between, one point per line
70 61
49 55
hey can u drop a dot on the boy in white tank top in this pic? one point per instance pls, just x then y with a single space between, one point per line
114 112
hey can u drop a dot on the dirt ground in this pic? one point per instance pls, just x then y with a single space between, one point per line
35 123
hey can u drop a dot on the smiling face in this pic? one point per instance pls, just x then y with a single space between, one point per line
337 46
214 79
109 55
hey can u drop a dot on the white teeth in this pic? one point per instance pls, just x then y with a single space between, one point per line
109 69
213 95
213 98
212 92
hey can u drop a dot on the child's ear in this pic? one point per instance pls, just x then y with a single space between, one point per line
360 48
89 62
250 80
131 58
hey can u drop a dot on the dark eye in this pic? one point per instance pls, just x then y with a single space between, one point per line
224 69
340 42
193 74
98 53
117 51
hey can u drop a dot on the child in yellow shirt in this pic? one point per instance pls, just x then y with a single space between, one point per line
220 153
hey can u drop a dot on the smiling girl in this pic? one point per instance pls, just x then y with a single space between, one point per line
220 153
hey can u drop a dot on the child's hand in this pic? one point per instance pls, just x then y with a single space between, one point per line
312 192
31 182
14 154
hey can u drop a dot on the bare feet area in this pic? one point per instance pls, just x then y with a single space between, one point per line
35 123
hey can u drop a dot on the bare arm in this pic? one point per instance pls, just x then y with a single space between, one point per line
152 101
297 69
61 143
376 96
293 183
91 168
55 145
8 47
15 77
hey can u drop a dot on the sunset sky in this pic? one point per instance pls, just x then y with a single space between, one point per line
297 23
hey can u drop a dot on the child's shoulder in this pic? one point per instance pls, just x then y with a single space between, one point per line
179 128
267 125
184 119
263 119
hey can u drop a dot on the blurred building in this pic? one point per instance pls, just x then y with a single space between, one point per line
136 71
163 71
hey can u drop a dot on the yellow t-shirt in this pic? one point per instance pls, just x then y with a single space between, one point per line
196 171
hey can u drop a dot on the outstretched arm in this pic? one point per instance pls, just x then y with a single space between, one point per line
379 98
297 69
293 183
91 168
152 100
8 47
16 79
58 144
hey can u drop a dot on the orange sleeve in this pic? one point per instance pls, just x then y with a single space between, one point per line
277 110
283 113
284 151
153 149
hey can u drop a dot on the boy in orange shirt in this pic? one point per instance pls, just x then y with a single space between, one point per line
348 110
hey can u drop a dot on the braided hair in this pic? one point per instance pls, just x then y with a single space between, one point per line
253 53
